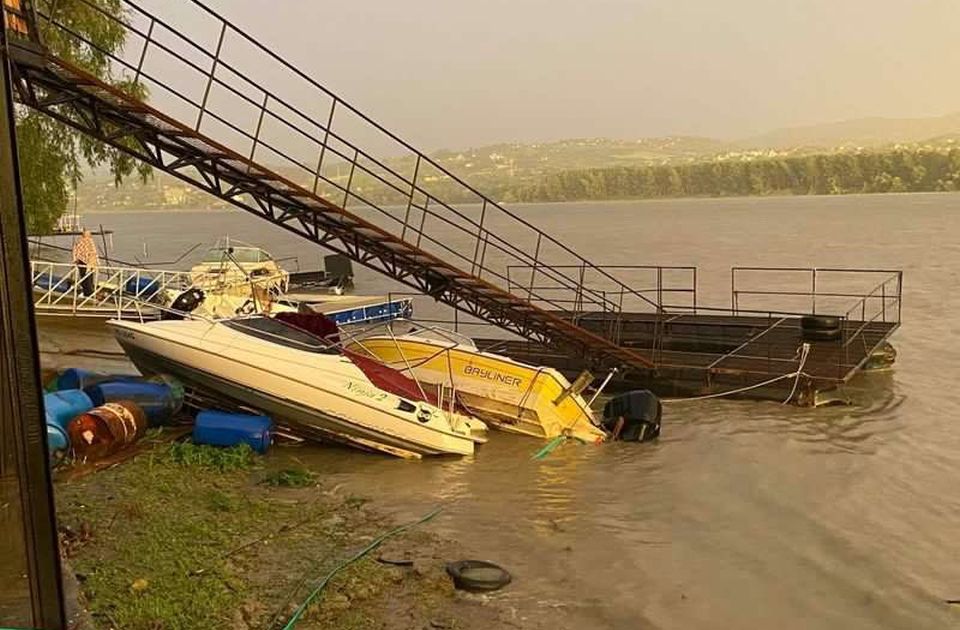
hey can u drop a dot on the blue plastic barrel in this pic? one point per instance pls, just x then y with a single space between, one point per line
57 439
176 387
158 400
60 408
78 378
221 428
142 287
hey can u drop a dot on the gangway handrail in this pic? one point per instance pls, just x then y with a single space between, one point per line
483 234
58 284
504 245
378 126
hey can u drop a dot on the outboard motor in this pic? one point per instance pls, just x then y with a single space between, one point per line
633 417
186 302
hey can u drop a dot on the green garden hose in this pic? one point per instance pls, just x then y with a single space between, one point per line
373 545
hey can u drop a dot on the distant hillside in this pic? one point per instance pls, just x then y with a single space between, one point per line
905 169
492 169
861 132
512 171
580 153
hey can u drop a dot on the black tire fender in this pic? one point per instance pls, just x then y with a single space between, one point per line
467 575
820 322
822 334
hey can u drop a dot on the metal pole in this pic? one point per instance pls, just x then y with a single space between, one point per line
813 291
25 483
213 71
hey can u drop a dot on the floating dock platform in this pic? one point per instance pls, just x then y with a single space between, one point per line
699 351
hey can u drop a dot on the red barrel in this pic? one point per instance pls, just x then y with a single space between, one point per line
106 429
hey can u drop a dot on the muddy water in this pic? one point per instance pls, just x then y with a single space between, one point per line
743 515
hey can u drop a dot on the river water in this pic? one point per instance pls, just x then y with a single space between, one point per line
743 514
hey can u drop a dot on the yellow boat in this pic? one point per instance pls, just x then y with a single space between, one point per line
512 396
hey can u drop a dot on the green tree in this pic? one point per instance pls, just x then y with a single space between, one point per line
53 156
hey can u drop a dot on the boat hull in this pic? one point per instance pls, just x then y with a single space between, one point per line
348 409
512 396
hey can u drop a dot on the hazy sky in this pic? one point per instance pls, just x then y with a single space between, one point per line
452 73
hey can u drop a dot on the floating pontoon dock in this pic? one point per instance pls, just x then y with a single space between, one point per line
702 351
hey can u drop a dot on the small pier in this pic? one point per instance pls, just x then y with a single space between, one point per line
701 351
144 294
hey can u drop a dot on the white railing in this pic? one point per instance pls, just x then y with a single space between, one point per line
116 291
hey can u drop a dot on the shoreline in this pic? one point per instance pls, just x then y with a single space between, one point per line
219 539
517 204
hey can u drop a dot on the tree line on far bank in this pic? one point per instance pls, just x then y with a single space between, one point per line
899 170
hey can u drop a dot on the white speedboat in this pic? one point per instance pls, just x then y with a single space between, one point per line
266 364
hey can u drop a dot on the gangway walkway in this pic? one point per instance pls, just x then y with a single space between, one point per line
222 125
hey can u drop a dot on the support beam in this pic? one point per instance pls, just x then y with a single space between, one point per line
29 538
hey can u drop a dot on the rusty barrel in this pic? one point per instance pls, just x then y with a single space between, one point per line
106 429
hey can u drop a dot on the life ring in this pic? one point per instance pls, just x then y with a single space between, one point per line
477 575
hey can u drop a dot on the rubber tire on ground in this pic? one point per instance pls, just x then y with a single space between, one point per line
459 572
820 322
822 335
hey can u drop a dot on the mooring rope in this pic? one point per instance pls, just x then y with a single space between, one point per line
804 353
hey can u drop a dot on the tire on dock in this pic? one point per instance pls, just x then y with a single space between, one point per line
815 334
820 322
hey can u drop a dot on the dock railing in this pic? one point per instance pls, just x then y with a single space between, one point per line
858 297
842 292
118 291
651 287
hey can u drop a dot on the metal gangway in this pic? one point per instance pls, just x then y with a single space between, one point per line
224 106
115 292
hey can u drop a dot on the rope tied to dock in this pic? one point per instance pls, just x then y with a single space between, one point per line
804 354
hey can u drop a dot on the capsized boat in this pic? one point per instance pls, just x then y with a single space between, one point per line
295 376
513 396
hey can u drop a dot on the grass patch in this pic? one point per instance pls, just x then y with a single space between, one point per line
188 454
159 530
291 478
189 536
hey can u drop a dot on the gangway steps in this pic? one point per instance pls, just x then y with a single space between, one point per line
78 99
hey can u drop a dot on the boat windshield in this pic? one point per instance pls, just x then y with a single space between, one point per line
435 333
243 255
278 332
